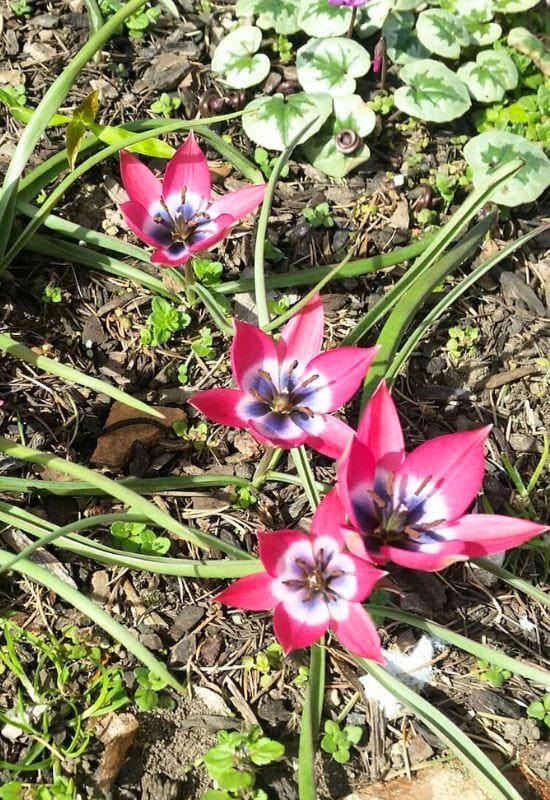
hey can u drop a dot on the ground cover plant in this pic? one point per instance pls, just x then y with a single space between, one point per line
187 438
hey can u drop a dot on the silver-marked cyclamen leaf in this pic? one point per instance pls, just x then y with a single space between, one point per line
351 113
331 65
441 32
371 17
490 77
237 60
279 15
476 15
492 149
433 93
318 18
274 121
514 6
402 45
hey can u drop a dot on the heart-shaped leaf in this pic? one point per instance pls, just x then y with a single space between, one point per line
490 77
350 113
318 17
441 32
490 150
371 17
476 16
236 59
434 92
280 15
331 65
273 122
402 45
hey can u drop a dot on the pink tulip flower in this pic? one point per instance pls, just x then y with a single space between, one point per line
312 584
288 389
410 509
175 216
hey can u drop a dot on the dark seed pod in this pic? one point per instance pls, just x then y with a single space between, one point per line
211 103
348 141
425 197
288 87
236 100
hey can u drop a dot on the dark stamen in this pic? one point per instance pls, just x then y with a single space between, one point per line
308 381
423 485
305 410
378 501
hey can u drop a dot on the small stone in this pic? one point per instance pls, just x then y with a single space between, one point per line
151 640
165 72
419 750
188 617
182 651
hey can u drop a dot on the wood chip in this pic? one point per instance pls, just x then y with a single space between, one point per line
117 732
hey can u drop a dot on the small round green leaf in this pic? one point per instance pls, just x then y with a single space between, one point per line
441 32
349 112
279 15
490 77
274 121
331 65
317 17
402 45
490 150
235 58
434 92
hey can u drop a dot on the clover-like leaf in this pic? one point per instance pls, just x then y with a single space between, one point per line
442 32
317 17
476 16
490 77
514 6
490 150
434 92
279 15
331 65
237 60
402 45
274 121
350 113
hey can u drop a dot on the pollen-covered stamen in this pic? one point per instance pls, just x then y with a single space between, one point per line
283 397
316 578
393 517
180 228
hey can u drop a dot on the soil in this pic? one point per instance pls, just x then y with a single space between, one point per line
503 380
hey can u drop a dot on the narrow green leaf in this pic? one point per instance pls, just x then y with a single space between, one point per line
482 768
82 603
94 14
173 483
52 367
311 720
513 580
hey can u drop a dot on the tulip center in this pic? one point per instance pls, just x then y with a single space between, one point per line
316 577
396 519
181 223
284 396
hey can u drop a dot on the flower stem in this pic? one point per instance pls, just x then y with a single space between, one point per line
189 281
303 468
311 720
268 462
352 22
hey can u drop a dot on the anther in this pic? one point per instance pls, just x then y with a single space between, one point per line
183 194
305 410
309 380
378 501
412 532
423 485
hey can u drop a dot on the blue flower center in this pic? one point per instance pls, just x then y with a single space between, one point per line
316 577
399 519
182 223
287 395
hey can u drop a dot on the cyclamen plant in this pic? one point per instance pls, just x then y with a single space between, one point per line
288 388
176 216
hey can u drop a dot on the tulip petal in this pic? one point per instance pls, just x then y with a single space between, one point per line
140 183
428 559
252 350
454 464
171 256
334 438
187 170
277 430
239 203
380 430
367 577
329 516
277 550
220 405
293 633
356 475
210 233
302 337
141 223
340 372
252 593
483 534
358 634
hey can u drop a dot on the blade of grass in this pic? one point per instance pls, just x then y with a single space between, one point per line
311 720
83 604
71 375
133 500
94 15
511 579
453 294
398 321
260 288
487 774
140 485
49 104
217 314
299 456
496 657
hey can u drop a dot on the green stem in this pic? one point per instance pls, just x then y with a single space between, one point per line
269 460
303 468
311 721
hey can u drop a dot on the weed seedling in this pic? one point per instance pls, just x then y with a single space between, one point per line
540 709
265 661
338 741
203 345
166 105
266 164
52 294
207 272
461 342
136 537
232 763
319 216
164 320
149 693
493 674
21 8
243 498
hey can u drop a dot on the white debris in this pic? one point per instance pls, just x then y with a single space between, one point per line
27 717
414 669
526 625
